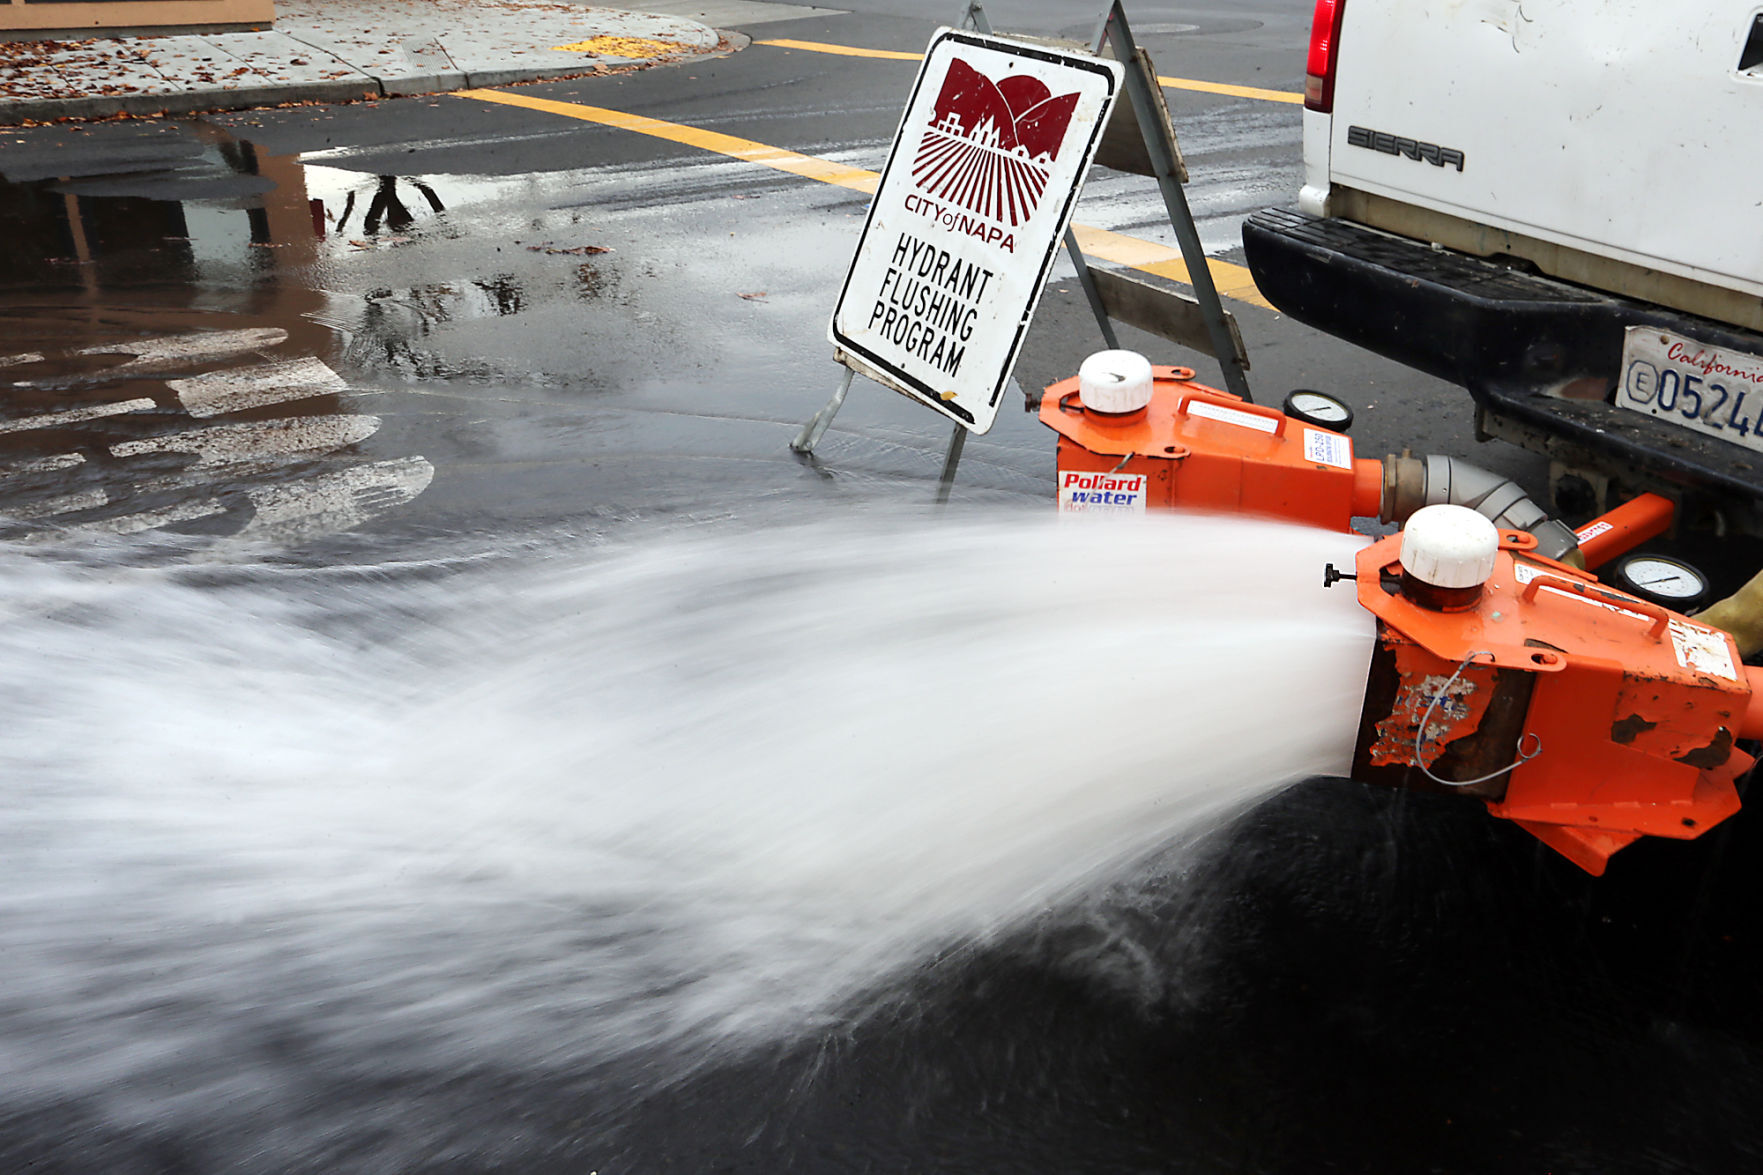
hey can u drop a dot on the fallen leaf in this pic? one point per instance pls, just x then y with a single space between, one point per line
756 296
577 251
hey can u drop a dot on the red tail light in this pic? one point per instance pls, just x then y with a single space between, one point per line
1325 41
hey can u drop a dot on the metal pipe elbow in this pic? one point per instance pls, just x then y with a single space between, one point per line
1413 482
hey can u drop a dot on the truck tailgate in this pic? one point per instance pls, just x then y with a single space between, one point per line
1578 122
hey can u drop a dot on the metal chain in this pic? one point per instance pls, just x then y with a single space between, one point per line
1420 733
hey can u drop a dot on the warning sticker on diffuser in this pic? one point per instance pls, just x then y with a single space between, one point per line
1702 650
1593 531
1225 415
1328 448
1101 493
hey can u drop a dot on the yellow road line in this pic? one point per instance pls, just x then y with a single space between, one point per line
843 50
1233 281
806 166
1167 83
1255 92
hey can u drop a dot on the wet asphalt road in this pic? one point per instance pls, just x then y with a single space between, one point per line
542 326
698 337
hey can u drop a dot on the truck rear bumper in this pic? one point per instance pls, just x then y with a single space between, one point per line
1539 356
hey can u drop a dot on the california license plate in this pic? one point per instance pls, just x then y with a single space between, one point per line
1711 389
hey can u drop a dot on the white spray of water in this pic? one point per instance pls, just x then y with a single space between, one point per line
696 788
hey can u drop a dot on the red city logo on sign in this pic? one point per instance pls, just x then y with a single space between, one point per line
990 144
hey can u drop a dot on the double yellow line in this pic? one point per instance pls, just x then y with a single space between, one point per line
1193 84
806 166
1233 281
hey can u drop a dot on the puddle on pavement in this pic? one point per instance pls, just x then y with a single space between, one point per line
519 300
164 364
158 374
185 216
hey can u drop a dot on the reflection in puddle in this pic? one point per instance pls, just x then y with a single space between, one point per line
184 205
457 286
165 366
500 296
395 325
386 206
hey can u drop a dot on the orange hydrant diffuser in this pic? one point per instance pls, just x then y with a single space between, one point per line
1585 715
1197 448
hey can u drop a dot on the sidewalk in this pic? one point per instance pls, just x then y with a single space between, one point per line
335 50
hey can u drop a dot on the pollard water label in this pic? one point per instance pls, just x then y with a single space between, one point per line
976 196
1082 492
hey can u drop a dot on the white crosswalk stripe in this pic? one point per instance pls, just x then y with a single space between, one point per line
333 502
42 465
237 389
152 519
61 504
226 444
239 467
73 415
182 350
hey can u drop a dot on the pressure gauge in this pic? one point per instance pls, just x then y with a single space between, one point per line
1319 409
1670 583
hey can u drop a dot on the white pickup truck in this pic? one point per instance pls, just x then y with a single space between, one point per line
1557 204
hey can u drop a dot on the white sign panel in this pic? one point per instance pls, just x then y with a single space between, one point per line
973 204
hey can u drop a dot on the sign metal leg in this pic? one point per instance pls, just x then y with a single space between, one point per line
817 425
1175 201
951 462
1088 283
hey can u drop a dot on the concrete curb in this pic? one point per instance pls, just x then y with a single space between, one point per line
183 102
434 72
22 110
